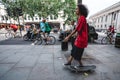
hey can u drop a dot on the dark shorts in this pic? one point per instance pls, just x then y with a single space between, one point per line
48 32
77 53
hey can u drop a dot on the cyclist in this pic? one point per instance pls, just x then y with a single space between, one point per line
45 28
14 28
110 32
42 26
34 31
48 28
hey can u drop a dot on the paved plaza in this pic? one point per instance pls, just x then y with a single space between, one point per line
45 62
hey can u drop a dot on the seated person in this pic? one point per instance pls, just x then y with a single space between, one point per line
28 30
64 31
34 32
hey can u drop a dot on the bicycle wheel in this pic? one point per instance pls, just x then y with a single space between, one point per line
8 35
104 40
113 41
51 40
25 37
38 41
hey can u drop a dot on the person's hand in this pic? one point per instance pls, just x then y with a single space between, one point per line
66 39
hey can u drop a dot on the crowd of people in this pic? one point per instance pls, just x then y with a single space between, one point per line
43 28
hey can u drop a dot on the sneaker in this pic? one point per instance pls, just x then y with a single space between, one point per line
32 44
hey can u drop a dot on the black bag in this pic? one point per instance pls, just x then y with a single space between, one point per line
64 46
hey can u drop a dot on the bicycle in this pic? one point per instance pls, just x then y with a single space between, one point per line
50 40
10 34
109 39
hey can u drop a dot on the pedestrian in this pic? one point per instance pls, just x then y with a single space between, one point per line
81 40
73 37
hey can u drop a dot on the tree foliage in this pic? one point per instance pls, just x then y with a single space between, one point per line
43 8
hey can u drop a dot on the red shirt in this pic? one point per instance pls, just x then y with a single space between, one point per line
13 26
82 33
111 29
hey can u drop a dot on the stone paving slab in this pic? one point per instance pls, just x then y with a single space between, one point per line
45 62
27 61
17 74
4 68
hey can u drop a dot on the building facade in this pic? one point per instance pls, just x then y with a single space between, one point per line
109 16
2 14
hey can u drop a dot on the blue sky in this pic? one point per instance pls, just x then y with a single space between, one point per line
95 6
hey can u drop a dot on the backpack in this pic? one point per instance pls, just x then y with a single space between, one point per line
48 27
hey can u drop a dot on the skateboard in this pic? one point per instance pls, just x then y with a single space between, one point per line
81 68
85 68
70 67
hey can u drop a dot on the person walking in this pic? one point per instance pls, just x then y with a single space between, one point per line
81 40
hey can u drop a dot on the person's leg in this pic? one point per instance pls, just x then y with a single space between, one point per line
69 61
32 36
80 63
110 38
81 54
45 37
15 31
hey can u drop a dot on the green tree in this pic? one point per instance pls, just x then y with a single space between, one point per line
69 10
43 8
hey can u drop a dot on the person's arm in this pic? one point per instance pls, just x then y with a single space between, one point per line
78 28
67 38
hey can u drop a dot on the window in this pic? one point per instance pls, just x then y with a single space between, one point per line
55 17
28 17
6 17
105 26
98 20
106 18
3 18
101 19
36 18
114 16
25 18
40 18
51 17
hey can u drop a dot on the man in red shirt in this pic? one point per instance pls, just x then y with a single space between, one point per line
81 41
14 28
110 32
